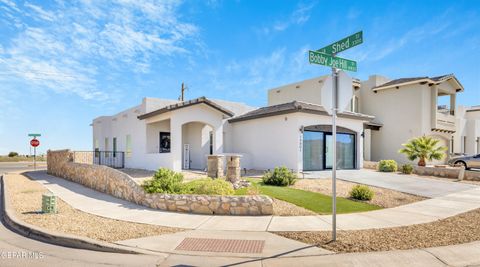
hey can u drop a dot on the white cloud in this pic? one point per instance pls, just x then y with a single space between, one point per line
41 13
71 45
242 80
299 16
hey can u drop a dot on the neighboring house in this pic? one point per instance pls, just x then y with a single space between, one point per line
408 108
293 130
467 136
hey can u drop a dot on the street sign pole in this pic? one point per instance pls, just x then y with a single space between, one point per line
327 56
334 153
34 158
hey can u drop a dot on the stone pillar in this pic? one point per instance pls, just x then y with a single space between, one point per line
233 168
215 166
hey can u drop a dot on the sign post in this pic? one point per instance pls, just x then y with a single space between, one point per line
327 56
34 143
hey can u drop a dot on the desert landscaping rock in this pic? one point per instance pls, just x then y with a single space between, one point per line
283 208
385 198
458 229
26 196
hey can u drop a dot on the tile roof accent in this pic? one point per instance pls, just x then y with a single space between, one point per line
295 106
200 100
402 81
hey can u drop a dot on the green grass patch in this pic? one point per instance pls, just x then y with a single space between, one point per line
316 202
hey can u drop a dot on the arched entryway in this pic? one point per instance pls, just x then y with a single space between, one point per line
318 147
197 143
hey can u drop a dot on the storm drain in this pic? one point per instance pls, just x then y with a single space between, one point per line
221 245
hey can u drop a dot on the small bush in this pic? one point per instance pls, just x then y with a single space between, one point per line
164 181
208 186
387 165
407 169
361 192
281 176
12 154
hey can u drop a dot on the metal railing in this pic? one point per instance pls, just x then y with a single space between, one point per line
113 159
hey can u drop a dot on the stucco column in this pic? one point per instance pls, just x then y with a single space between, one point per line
176 144
453 102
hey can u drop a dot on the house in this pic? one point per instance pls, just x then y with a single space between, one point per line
467 136
292 130
179 135
408 108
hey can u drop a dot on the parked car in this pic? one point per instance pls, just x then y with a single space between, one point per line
466 161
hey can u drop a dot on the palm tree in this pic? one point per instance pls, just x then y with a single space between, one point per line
423 148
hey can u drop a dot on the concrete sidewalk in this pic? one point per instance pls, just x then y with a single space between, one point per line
279 251
412 184
91 201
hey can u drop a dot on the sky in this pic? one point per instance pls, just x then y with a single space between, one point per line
63 63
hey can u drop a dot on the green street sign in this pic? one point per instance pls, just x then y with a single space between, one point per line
330 61
34 135
344 44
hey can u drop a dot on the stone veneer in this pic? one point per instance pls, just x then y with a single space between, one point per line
448 172
113 182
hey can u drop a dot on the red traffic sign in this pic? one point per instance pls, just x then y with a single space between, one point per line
34 142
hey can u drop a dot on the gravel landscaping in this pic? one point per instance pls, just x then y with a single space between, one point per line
385 198
458 229
26 195
283 208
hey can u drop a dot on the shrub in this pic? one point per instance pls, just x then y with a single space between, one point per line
12 154
387 165
281 176
361 192
164 181
407 168
208 186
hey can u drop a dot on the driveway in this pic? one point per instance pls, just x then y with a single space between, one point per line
412 184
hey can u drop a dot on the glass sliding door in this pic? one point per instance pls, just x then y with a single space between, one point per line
318 151
313 155
328 151
345 151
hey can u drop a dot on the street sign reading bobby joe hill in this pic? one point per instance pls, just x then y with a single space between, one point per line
344 44
331 61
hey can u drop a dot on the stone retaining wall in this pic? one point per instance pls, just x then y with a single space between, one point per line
370 165
448 172
121 185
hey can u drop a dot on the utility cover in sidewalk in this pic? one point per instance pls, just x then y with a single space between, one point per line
221 245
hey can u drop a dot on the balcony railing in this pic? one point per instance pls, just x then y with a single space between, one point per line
445 121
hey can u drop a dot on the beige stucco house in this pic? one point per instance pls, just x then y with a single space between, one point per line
293 129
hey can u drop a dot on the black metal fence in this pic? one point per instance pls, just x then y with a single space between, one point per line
113 159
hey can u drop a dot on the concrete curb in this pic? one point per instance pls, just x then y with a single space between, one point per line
31 231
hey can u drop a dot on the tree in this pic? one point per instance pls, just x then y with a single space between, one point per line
12 154
423 148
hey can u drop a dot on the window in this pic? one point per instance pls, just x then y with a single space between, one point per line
164 142
114 147
106 147
128 146
354 104
211 142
